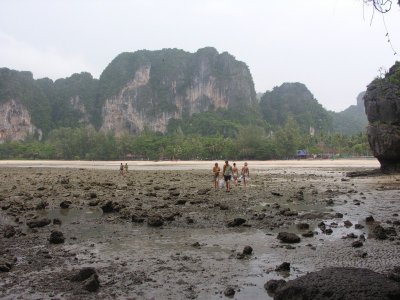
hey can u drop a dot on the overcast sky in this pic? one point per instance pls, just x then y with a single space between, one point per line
329 45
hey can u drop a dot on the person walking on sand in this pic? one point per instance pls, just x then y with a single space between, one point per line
227 171
216 171
235 174
121 170
126 168
245 174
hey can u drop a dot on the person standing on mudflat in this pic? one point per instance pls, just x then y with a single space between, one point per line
227 171
121 170
126 167
216 171
235 174
245 174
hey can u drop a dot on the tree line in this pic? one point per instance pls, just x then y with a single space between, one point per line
249 142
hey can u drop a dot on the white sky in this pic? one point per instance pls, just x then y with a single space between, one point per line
329 45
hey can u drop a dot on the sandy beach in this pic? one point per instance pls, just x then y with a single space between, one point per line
163 232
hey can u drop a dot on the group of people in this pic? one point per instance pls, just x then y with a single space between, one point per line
230 172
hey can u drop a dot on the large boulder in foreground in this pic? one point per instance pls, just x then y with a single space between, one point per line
340 284
382 106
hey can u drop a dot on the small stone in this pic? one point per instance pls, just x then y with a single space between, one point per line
56 237
155 221
91 284
65 204
247 250
308 234
83 274
38 223
287 237
357 244
229 292
347 223
369 219
236 222
358 226
285 266
272 285
57 221
9 231
302 226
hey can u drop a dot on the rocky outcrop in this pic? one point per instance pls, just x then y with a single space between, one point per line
15 122
382 105
339 283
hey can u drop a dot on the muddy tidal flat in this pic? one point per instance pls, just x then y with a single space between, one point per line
79 230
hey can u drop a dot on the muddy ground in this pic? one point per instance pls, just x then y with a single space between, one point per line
170 235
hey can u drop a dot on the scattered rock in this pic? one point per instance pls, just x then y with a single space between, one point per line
247 250
6 265
203 191
369 219
65 204
358 226
83 274
328 231
181 202
379 233
339 215
308 234
236 222
285 266
9 231
155 221
360 253
272 285
38 223
287 237
357 244
42 205
57 221
347 223
110 207
229 292
56 237
276 194
92 284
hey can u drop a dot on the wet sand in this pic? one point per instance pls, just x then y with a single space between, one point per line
194 254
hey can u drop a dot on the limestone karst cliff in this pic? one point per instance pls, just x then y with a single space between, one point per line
148 88
382 105
15 122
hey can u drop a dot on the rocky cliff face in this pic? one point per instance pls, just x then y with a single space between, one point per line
170 84
382 106
15 122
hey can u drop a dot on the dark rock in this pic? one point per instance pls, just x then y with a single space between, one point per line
285 266
92 195
369 219
42 205
395 274
360 253
347 223
322 226
247 250
6 265
9 231
236 222
351 236
174 193
358 226
137 219
357 244
379 233
65 204
287 237
328 231
340 283
272 285
57 221
196 245
110 207
38 223
56 237
339 215
229 292
63 180
308 234
303 226
203 191
181 202
155 221
83 274
330 202
92 284
93 203
276 194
